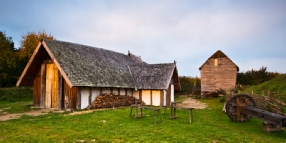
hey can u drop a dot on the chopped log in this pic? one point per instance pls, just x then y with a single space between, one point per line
112 100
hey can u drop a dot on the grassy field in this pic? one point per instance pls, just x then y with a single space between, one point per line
274 85
114 125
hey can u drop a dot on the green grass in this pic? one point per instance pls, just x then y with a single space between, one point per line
115 125
274 85
16 100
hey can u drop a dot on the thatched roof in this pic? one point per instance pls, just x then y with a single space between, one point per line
152 76
219 54
83 65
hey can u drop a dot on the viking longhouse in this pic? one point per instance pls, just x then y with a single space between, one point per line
63 72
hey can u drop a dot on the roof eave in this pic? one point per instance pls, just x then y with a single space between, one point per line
28 65
57 64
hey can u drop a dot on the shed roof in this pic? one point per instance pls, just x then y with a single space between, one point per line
219 54
153 76
83 65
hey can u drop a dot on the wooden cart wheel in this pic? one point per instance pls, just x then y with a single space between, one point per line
234 106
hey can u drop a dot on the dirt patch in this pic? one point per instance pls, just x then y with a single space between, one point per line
30 113
192 103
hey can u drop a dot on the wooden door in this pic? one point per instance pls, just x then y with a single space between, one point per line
51 86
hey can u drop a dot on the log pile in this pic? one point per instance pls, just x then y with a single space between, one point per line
112 100
270 104
210 94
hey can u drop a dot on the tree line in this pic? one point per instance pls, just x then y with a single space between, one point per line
255 77
14 59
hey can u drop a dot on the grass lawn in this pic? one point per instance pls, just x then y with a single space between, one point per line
115 125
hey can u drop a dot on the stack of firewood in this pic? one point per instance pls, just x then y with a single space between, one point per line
270 104
112 100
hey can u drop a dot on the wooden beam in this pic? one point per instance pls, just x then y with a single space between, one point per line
28 65
43 85
89 97
60 89
58 65
151 98
78 98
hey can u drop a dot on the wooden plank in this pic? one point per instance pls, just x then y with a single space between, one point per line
60 90
89 97
28 65
140 94
43 85
37 89
49 80
78 99
151 99
161 98
54 86
168 96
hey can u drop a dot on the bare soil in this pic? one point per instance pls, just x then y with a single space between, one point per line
8 116
188 102
192 103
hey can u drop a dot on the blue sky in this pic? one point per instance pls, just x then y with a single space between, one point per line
252 33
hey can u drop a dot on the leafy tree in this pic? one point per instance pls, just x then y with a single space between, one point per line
255 77
7 59
13 61
188 83
29 43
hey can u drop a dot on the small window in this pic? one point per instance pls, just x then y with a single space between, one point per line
216 62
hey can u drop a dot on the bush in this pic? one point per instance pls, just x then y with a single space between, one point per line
16 94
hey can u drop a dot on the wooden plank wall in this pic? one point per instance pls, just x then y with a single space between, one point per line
221 76
49 80
70 96
37 90
55 86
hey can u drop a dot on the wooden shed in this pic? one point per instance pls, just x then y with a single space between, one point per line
218 72
69 75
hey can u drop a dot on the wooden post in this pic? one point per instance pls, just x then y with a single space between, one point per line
151 102
78 99
89 96
140 95
279 94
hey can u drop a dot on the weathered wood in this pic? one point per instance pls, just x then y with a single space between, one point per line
49 83
77 100
89 96
28 65
43 85
161 98
37 90
218 72
234 107
111 100
140 95
168 96
241 107
151 98
55 88
156 111
60 90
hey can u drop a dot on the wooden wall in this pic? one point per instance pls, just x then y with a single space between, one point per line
47 87
37 90
70 96
220 76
